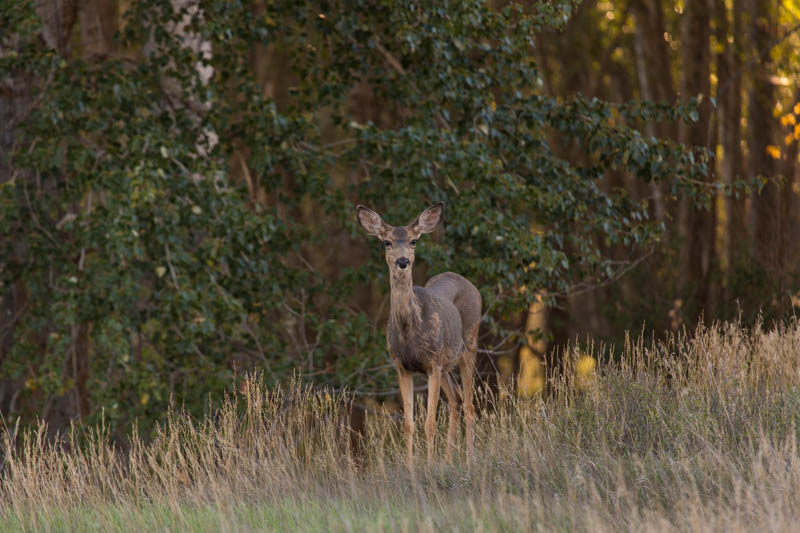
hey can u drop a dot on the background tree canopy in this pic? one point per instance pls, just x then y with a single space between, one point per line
177 184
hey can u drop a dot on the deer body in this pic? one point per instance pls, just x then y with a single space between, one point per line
432 329
425 327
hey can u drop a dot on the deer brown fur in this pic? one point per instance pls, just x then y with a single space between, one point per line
432 329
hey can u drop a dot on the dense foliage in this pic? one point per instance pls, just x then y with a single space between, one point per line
168 223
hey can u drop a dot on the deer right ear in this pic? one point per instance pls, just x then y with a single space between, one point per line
370 220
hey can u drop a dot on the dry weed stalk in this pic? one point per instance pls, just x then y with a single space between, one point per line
694 433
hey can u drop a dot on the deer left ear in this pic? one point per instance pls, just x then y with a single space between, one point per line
428 220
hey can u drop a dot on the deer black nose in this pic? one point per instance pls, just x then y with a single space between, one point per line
403 262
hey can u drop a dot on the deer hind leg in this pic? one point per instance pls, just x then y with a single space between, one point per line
467 367
455 413
407 392
434 382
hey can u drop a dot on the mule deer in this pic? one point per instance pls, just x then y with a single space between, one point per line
431 329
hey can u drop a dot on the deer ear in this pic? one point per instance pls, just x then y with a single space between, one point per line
370 220
428 220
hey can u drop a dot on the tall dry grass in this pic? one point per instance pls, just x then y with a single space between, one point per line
696 433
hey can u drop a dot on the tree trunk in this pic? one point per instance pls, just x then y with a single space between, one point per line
58 19
695 226
98 23
654 75
652 55
729 112
761 135
208 139
16 96
531 376
789 234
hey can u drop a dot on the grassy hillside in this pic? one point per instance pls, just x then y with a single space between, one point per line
692 434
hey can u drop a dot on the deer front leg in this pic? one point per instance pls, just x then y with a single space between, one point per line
407 392
434 382
455 412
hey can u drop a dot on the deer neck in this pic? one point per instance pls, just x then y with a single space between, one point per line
405 305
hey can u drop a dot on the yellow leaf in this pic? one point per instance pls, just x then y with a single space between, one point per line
796 108
531 373
773 151
144 399
585 365
788 139
787 119
494 105
797 131
160 271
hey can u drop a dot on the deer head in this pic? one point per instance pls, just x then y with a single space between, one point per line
400 240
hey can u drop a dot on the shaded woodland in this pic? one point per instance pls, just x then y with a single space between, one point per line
177 184
739 255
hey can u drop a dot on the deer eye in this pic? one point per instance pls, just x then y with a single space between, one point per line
387 243
414 242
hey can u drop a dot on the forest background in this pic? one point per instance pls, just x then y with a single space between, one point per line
177 184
